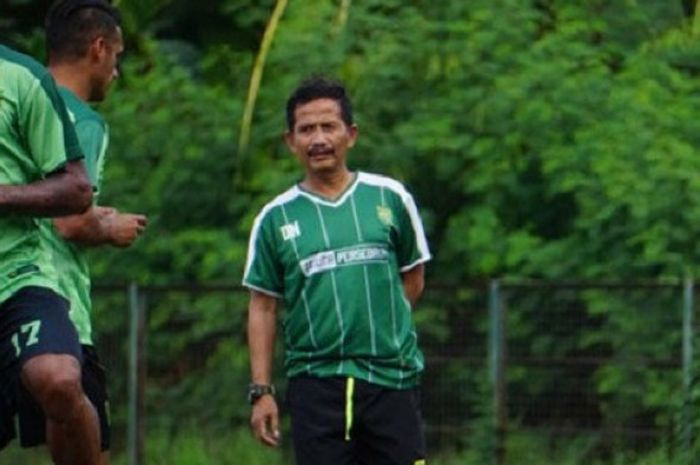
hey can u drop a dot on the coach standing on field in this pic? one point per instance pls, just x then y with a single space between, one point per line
344 250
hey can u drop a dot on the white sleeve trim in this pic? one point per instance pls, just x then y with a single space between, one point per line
415 264
417 224
280 199
252 240
263 290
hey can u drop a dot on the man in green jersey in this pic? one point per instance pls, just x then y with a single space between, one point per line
84 42
345 252
41 174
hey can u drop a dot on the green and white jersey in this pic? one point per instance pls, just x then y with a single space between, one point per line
337 266
70 259
36 138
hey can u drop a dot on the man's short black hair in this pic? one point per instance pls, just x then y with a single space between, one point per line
315 88
72 25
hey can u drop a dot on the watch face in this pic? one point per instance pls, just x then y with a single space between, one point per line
256 391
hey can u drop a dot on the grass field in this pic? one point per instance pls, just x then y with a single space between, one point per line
238 447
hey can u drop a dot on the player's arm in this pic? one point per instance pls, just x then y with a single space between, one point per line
44 125
64 192
412 247
101 225
262 328
414 282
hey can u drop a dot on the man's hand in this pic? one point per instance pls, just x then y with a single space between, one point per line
104 211
101 226
264 421
123 228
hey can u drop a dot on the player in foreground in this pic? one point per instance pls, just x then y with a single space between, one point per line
345 251
41 174
84 41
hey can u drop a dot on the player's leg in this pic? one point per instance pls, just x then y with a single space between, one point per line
46 345
31 419
389 427
95 387
317 408
71 421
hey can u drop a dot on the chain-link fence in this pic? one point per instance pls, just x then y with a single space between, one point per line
510 366
607 366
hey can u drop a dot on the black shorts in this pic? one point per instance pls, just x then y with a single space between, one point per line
340 422
34 322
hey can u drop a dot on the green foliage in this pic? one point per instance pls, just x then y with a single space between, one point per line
188 192
554 129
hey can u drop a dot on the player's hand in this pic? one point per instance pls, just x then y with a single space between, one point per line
124 228
264 421
101 211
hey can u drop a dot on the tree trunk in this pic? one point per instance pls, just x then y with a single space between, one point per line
256 78
342 18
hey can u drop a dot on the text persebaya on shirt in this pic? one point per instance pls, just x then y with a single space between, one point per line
356 255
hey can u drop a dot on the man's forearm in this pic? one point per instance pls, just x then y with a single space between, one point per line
413 283
262 327
92 228
64 193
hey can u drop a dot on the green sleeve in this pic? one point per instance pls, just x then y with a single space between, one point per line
93 141
411 247
264 272
48 130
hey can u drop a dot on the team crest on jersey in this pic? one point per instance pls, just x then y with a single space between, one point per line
385 215
290 231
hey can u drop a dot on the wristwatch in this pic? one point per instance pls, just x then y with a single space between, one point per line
256 391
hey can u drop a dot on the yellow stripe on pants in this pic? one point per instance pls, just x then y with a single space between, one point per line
349 391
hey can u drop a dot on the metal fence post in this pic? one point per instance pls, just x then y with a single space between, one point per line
687 432
137 375
497 369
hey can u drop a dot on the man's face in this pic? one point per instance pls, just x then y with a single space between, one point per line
106 52
320 138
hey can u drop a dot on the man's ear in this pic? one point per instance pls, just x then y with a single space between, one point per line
353 132
289 139
98 47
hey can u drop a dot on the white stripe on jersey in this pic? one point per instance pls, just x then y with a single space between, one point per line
373 335
303 291
101 158
392 297
335 291
370 313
